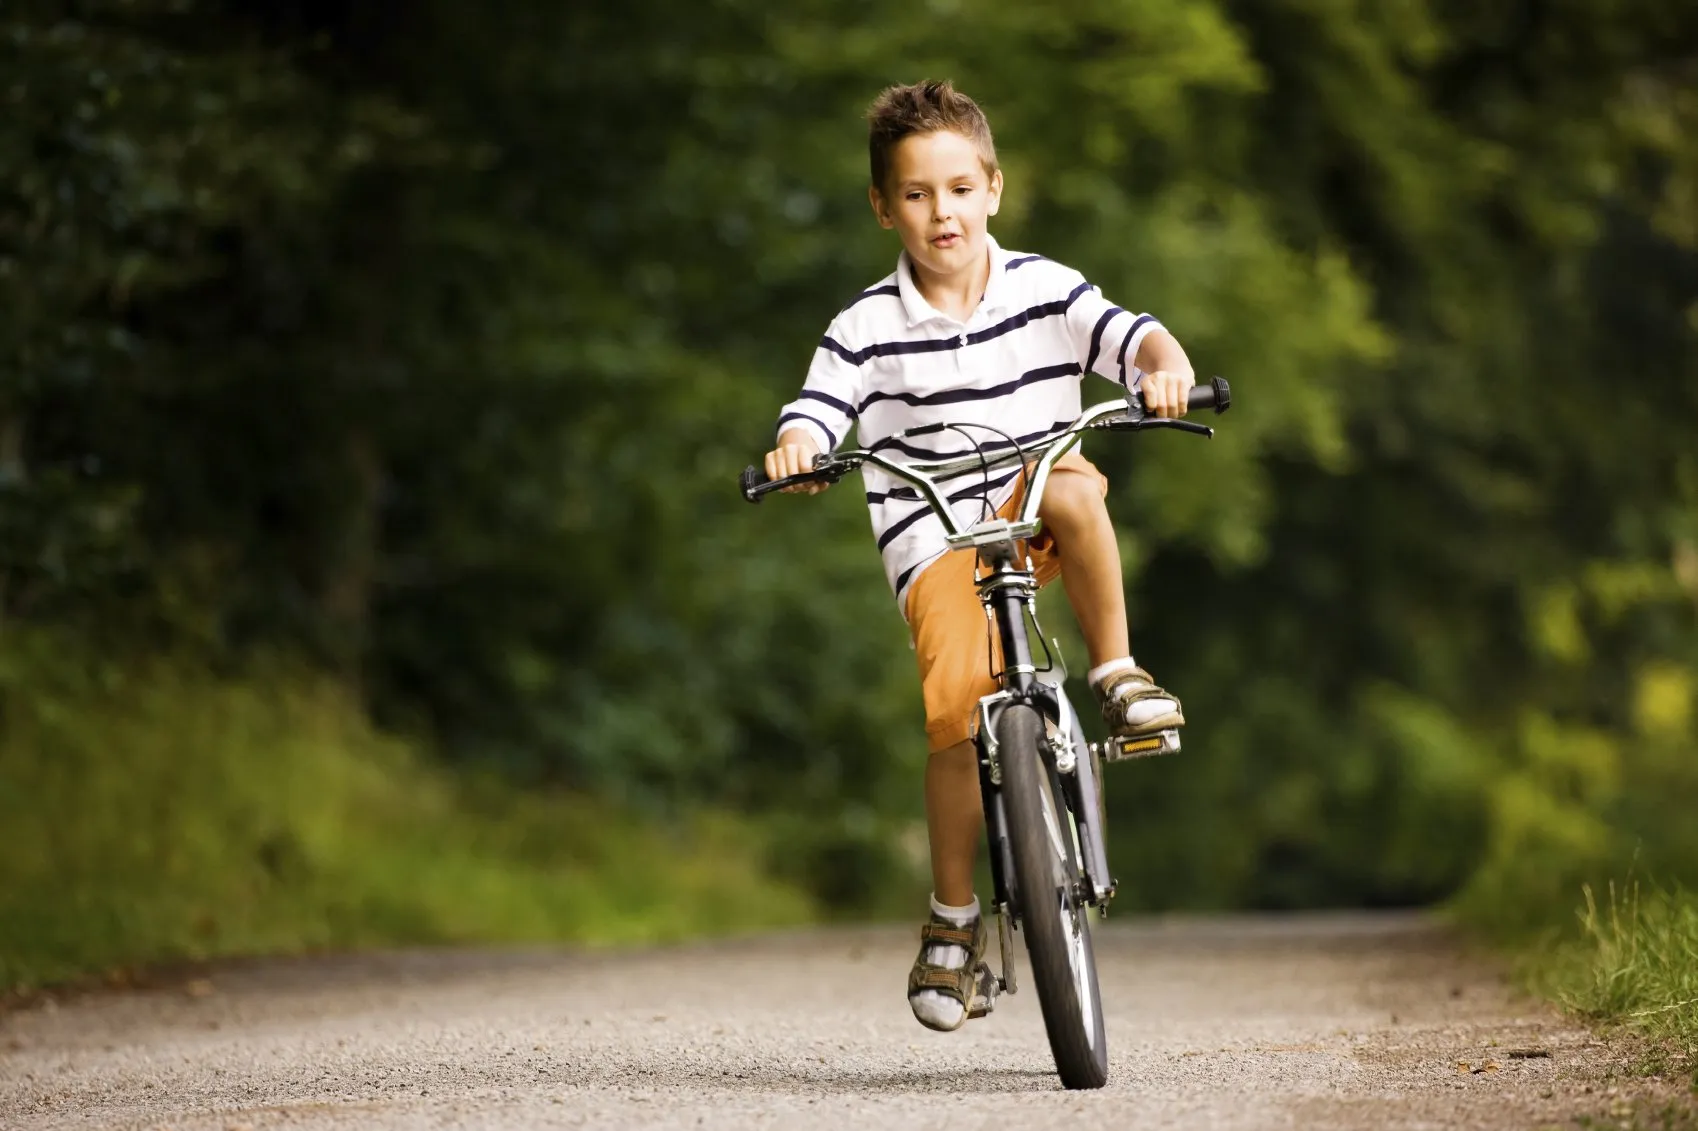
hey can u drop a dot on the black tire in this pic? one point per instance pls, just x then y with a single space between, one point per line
1046 878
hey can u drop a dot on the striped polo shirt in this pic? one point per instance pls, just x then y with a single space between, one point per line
889 361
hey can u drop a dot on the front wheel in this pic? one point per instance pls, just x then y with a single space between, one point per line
1056 924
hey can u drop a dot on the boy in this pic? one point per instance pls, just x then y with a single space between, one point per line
965 331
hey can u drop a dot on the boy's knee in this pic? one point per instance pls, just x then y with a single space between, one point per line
1069 497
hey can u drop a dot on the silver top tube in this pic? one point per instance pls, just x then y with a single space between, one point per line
924 476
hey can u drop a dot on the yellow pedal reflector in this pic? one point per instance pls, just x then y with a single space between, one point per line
1141 746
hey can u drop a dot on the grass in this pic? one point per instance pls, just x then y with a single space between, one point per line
1667 1117
1635 963
155 813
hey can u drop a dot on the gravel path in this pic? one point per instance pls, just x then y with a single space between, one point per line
1337 1021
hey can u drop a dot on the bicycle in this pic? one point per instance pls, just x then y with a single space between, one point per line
1039 780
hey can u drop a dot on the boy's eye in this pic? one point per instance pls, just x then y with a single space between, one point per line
963 189
916 195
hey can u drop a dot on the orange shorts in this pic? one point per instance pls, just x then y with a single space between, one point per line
952 639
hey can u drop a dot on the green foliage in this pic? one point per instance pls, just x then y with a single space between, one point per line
155 813
422 343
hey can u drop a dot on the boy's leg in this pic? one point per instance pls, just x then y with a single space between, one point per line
954 937
950 645
955 820
1078 531
1076 520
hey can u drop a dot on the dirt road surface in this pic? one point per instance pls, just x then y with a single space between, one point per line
1335 1021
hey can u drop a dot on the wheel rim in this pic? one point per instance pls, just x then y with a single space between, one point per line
1081 970
1070 914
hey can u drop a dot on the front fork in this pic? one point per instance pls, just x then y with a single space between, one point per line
1008 597
1076 771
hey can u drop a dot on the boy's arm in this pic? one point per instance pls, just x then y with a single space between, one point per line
820 417
1167 375
1132 349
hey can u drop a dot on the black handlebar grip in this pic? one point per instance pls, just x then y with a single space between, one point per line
753 478
1217 394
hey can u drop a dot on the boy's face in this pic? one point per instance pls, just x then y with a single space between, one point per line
938 198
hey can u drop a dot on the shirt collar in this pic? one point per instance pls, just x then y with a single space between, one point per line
919 310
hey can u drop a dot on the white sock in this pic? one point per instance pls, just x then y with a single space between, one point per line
930 1004
1139 712
1098 673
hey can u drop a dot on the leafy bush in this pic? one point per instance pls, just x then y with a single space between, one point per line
156 812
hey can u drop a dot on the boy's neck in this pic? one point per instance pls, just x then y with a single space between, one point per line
956 295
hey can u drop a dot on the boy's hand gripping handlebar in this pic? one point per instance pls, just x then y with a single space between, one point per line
827 469
1217 394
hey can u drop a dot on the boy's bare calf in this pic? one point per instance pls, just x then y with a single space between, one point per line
955 821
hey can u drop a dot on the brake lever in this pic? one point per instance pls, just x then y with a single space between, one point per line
1138 424
827 469
1190 426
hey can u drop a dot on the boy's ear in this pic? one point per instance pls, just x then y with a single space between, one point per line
876 199
995 192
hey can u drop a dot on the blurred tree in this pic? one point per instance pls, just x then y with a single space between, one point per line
426 341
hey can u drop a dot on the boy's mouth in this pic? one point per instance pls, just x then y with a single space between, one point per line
948 239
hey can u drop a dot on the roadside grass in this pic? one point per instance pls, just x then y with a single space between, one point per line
1633 962
157 813
1667 1117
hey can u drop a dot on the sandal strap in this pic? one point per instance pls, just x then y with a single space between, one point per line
1112 683
1142 694
947 934
958 984
1114 688
951 983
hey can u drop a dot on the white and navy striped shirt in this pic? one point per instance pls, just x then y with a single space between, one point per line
890 361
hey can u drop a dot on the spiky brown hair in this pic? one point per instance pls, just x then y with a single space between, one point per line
923 108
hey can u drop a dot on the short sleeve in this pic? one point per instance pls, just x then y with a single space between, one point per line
1106 336
830 395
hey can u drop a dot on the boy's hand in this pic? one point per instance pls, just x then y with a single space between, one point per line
1167 391
794 456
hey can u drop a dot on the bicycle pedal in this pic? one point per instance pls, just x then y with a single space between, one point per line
984 992
1121 748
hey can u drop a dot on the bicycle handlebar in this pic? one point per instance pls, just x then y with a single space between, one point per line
1131 416
1217 394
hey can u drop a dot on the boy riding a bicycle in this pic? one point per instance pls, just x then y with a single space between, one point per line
965 332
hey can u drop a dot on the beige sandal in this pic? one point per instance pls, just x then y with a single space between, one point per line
1120 690
961 983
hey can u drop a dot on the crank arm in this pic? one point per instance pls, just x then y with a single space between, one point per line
1005 942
